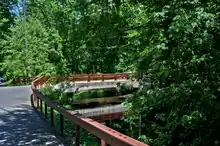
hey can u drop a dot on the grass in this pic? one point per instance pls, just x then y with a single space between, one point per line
95 93
66 99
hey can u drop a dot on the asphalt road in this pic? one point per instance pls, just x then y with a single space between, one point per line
20 125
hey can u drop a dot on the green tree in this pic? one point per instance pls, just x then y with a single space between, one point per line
6 20
91 32
180 106
171 45
41 54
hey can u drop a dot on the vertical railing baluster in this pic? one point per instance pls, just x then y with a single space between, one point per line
37 102
41 106
61 124
51 118
103 143
77 136
45 110
103 78
88 78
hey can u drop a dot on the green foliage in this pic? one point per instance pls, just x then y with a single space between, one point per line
86 138
95 93
37 56
126 89
49 92
6 20
173 46
66 99
180 62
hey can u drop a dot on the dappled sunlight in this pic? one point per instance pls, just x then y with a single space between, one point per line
22 126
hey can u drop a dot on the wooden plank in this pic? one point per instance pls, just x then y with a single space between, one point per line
23 79
95 77
90 77
109 77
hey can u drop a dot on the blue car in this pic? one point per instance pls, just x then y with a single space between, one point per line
2 80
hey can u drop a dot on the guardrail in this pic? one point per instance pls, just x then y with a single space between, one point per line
19 80
90 77
106 134
79 77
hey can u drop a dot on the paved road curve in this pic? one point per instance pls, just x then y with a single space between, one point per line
19 124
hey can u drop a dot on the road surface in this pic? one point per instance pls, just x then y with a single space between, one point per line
20 125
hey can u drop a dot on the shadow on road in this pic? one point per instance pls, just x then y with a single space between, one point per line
21 125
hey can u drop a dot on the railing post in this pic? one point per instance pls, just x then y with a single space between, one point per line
103 143
77 136
103 78
88 78
41 106
51 118
127 76
37 102
61 124
45 109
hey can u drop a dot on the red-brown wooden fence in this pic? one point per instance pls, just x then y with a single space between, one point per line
106 134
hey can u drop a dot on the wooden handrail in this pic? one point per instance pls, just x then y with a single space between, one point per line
106 134
79 77
23 79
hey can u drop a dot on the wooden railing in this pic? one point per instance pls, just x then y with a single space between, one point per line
80 77
106 134
91 77
19 80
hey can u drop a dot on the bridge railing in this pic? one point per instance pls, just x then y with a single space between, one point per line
19 80
80 77
105 134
